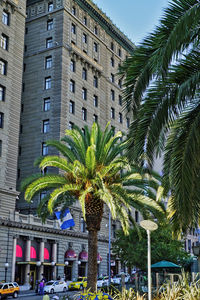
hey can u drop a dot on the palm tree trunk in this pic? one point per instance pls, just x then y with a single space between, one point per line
92 260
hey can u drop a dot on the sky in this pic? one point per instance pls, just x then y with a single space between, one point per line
135 18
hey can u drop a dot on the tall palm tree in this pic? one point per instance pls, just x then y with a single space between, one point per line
162 80
90 168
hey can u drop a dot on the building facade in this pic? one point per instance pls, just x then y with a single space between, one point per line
72 52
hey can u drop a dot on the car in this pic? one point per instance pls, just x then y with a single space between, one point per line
55 286
9 289
79 284
117 278
103 281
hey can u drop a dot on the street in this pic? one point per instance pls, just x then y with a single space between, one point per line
31 296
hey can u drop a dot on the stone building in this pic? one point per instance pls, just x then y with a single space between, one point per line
72 52
12 25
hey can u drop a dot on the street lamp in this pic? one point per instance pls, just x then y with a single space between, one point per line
66 263
38 263
149 226
53 263
6 269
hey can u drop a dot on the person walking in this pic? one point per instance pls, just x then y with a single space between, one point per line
41 287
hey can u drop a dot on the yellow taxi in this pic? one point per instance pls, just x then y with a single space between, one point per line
9 289
78 284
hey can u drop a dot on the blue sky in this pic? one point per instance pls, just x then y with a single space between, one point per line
136 18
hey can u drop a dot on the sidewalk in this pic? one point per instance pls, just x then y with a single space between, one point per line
27 293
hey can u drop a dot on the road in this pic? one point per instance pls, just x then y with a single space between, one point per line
31 296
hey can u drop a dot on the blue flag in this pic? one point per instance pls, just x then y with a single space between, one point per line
66 221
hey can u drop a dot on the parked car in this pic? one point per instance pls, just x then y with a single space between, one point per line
117 278
102 281
78 284
9 289
55 286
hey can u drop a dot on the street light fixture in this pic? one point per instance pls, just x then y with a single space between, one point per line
149 226
53 263
38 263
66 263
6 269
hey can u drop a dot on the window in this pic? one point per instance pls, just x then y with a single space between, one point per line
120 118
112 77
48 62
21 128
24 67
0 148
49 43
72 86
46 126
112 95
72 66
4 41
5 18
84 38
112 62
111 46
84 114
95 101
26 30
119 52
95 81
84 93
71 107
113 230
45 149
74 10
113 130
120 83
120 100
49 24
95 30
83 227
73 28
112 113
127 122
95 118
136 216
1 119
95 47
85 20
47 104
42 195
50 6
2 93
70 125
84 74
18 173
47 83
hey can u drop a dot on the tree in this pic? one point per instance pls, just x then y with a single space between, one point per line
162 89
90 168
132 249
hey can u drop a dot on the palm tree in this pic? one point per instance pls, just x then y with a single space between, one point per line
90 168
162 89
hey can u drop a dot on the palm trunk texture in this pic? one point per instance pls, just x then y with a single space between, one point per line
94 213
92 260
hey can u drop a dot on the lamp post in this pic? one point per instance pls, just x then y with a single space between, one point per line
149 226
109 249
6 269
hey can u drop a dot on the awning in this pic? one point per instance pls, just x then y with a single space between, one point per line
83 256
70 254
164 264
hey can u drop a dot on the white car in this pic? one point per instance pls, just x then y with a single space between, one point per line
55 286
117 278
103 281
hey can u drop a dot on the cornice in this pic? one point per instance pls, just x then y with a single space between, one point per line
36 228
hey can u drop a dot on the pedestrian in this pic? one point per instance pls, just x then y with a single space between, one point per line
45 297
41 287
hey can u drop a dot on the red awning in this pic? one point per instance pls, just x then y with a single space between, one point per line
33 253
19 252
83 256
99 258
70 254
46 254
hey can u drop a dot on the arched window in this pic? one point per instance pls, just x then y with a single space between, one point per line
19 252
33 253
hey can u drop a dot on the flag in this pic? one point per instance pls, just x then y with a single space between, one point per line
65 220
